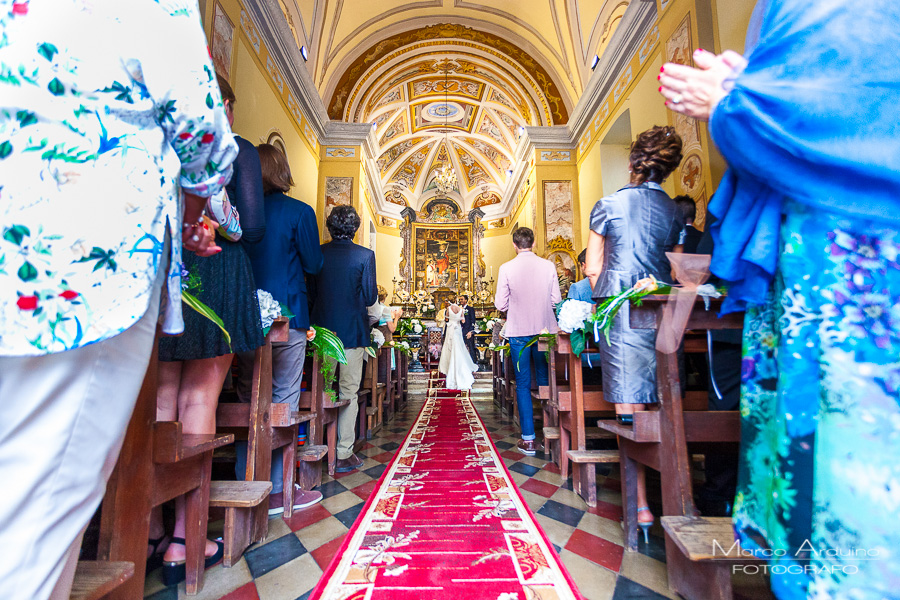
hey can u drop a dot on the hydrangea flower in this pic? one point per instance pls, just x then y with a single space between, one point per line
573 314
269 308
377 338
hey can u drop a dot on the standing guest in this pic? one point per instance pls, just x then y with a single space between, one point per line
809 237
631 231
281 261
468 326
581 290
192 367
86 250
339 295
527 289
690 235
385 319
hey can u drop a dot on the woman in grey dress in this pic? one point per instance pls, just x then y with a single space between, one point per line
631 231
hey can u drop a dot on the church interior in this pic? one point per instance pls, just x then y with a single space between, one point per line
447 125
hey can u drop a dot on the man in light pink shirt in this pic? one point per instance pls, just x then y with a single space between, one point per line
527 289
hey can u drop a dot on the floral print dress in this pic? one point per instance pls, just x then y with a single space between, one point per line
819 479
108 109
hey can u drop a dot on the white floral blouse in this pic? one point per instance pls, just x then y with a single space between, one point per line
107 109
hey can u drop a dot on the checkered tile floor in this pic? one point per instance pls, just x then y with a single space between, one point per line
589 540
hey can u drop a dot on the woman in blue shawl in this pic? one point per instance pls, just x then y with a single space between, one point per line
808 234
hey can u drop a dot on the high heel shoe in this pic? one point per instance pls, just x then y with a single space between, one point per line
646 525
625 419
174 572
155 560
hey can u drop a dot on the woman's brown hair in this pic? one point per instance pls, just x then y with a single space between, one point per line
655 154
276 172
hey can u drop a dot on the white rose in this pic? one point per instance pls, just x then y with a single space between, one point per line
269 308
378 337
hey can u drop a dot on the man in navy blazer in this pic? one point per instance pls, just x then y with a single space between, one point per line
281 261
341 294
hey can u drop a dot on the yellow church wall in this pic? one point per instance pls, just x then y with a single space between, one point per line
261 109
258 114
388 250
496 251
637 92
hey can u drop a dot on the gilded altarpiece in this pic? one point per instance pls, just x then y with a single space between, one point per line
442 256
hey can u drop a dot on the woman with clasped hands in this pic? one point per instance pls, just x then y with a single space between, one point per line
808 234
97 142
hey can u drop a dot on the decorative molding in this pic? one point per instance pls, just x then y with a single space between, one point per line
340 152
639 17
556 155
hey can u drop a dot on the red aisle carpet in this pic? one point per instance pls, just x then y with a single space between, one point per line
446 522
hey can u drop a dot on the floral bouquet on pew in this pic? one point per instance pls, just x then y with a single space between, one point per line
190 287
326 344
402 347
270 309
407 326
377 341
602 319
504 348
487 325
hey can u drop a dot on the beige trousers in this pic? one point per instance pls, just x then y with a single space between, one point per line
350 379
62 423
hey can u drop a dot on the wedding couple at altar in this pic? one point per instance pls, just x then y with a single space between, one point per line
458 349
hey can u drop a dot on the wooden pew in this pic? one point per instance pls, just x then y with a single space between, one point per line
373 392
157 463
315 402
659 439
95 579
402 380
387 376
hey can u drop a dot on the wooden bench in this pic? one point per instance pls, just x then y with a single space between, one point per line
373 392
706 557
322 434
156 464
239 499
96 579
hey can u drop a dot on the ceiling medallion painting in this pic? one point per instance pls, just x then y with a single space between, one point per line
455 115
447 31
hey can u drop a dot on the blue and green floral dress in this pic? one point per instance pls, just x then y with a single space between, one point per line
819 480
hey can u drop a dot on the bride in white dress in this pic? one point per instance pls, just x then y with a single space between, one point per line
456 363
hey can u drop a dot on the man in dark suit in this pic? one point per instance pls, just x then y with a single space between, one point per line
286 255
340 295
468 326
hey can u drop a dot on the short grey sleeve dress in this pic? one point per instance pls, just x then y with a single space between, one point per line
640 224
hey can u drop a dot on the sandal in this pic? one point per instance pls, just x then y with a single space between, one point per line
174 572
155 560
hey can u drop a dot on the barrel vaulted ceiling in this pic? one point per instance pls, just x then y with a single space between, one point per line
450 80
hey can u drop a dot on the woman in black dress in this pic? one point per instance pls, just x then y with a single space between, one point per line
193 367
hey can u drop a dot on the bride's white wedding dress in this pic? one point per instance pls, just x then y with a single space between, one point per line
456 363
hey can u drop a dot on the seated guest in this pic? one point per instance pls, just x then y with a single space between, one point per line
339 295
281 261
528 289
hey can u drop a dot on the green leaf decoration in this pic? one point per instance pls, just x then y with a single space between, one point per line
27 272
5 149
577 340
47 50
328 344
56 87
25 118
371 351
206 311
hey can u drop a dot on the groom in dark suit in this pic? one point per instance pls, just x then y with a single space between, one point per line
468 326
340 296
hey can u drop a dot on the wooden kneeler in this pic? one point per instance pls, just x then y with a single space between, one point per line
239 499
322 434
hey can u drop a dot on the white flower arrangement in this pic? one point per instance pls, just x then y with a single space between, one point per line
573 314
417 326
377 338
269 308
487 325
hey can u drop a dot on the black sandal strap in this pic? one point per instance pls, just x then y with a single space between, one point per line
177 540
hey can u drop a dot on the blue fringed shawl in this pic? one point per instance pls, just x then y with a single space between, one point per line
815 117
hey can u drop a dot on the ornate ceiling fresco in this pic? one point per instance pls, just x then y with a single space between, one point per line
450 81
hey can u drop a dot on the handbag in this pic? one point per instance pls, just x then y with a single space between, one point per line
228 221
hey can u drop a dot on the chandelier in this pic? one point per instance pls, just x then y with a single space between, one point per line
445 181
